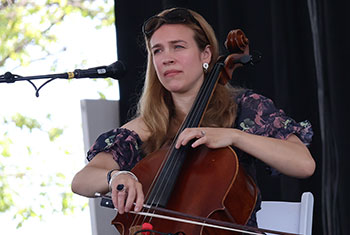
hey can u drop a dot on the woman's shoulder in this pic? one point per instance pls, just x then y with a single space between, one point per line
243 95
139 126
250 100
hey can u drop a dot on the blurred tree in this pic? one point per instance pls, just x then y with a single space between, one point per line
25 24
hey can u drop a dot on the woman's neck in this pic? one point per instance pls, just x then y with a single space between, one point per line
183 104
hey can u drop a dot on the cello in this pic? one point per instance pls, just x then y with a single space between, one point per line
185 180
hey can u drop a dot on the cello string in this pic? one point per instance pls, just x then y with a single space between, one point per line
137 218
165 165
173 157
192 120
154 186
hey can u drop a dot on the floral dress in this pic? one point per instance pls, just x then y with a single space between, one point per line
256 114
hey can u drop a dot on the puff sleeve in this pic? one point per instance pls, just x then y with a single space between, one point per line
123 144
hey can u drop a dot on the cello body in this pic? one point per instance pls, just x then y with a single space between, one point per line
198 191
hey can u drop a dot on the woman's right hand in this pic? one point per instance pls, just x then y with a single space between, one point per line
130 193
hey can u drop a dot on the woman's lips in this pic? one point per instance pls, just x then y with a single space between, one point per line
170 73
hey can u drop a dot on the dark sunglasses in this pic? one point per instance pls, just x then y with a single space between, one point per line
176 16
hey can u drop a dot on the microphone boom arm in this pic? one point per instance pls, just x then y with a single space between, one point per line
115 71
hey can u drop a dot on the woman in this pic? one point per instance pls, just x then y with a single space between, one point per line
182 47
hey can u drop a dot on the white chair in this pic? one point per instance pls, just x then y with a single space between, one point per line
292 217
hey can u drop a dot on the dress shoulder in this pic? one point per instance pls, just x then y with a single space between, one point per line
258 114
122 143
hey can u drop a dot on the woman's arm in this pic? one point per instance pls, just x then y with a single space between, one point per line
93 177
290 156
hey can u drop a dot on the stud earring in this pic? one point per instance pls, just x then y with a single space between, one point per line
205 67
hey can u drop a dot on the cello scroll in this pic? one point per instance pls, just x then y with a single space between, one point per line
238 46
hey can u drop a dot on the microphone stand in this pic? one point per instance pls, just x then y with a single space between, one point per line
115 70
8 77
11 78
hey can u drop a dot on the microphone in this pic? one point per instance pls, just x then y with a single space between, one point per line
115 71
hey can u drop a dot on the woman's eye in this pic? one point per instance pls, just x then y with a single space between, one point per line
156 51
179 46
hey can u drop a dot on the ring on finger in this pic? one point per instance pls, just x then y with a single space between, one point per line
203 133
120 187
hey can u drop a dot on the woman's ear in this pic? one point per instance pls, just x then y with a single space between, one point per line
206 54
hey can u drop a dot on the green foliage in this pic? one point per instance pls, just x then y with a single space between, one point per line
30 23
24 214
102 96
5 146
22 121
6 200
66 199
24 25
53 194
54 133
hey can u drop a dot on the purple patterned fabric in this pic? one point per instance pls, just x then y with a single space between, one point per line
122 143
258 115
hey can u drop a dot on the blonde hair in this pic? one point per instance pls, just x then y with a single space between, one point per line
158 113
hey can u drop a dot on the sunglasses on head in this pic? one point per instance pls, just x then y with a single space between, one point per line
176 16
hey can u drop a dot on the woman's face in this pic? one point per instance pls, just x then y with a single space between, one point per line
177 58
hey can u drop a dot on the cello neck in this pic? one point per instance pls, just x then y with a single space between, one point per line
164 185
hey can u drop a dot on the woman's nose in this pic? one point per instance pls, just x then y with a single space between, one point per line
168 58
168 61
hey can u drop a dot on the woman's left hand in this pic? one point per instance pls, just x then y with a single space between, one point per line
210 137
